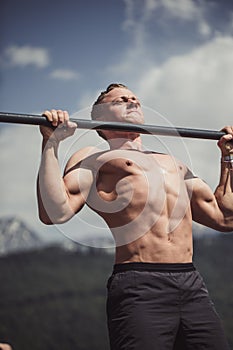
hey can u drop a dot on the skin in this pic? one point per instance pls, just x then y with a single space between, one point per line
145 198
4 346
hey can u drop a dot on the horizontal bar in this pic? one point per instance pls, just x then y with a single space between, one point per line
116 126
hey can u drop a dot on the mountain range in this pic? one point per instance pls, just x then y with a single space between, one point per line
16 236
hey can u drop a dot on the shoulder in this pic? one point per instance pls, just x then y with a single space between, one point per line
83 153
80 156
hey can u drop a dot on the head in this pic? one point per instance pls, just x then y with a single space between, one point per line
117 104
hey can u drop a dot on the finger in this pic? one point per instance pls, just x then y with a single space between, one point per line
224 139
66 116
228 129
71 125
54 117
226 144
63 116
48 115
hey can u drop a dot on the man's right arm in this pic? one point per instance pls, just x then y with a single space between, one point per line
57 199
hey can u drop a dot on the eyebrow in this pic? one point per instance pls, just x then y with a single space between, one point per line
126 97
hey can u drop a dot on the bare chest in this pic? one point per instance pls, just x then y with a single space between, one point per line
136 175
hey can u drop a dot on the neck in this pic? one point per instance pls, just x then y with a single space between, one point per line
134 143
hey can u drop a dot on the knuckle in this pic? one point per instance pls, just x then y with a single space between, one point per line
66 116
48 115
54 114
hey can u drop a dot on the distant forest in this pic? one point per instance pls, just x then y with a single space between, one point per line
52 299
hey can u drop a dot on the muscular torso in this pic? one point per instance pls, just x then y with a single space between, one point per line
142 197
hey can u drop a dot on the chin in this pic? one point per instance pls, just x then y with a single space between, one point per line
134 119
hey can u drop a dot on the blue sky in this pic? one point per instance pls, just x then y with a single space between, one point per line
69 42
176 55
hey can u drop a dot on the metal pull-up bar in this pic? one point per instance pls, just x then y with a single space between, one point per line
117 126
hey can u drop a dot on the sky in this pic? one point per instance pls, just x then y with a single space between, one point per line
175 55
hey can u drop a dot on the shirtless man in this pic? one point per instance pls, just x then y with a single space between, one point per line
148 201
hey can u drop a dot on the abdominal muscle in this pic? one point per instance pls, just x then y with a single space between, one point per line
158 247
155 237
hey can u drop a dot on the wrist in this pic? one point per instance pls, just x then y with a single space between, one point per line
50 143
227 160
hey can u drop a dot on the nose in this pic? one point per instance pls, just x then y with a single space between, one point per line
132 102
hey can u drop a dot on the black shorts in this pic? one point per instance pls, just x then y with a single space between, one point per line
154 306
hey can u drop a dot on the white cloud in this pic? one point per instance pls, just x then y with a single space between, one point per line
23 56
204 29
140 16
19 156
197 83
183 9
230 25
141 12
151 5
65 74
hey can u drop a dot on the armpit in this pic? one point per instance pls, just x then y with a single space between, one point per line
189 175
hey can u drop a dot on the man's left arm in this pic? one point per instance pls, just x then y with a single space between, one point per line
224 190
215 210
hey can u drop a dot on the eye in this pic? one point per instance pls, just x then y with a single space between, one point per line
124 99
118 101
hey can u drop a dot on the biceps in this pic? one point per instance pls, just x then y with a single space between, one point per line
78 184
205 209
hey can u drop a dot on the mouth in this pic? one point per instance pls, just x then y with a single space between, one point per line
133 111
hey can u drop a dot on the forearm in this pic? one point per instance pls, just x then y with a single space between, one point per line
53 203
224 193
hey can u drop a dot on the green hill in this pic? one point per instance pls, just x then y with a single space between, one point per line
51 299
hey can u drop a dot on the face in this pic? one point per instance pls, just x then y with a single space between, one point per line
121 104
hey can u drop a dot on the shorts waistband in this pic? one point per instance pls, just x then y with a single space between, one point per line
158 267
